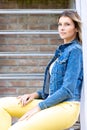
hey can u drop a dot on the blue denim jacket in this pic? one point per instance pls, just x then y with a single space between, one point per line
65 81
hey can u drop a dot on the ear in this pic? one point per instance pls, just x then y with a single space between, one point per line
76 30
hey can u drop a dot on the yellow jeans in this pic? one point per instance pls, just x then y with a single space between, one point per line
59 117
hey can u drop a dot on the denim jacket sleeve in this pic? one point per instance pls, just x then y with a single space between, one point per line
41 94
71 76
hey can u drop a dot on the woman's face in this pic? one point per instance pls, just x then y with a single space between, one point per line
66 28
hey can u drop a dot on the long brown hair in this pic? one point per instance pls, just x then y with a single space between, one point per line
76 20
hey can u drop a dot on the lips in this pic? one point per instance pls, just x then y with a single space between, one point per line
62 33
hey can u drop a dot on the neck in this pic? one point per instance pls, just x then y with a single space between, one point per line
68 40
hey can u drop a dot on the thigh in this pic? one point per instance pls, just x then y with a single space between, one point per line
58 117
12 106
5 119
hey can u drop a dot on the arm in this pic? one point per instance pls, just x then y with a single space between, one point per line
30 113
74 67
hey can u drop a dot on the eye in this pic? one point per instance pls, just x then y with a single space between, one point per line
67 24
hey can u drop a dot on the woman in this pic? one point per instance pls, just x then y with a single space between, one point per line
57 105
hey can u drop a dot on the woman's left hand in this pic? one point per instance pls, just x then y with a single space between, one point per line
30 113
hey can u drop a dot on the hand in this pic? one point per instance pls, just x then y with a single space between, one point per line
26 98
30 113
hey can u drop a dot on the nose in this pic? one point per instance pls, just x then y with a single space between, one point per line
62 27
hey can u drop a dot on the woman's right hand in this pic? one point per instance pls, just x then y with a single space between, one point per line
26 98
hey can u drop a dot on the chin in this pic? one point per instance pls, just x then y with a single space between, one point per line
62 37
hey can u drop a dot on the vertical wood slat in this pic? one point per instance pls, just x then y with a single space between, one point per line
81 7
84 36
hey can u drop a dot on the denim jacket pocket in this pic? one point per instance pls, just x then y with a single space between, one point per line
59 68
63 59
61 65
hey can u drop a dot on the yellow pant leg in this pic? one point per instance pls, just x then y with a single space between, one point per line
9 106
59 117
5 120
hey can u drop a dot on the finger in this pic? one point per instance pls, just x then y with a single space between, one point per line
18 97
30 99
19 101
23 118
26 101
